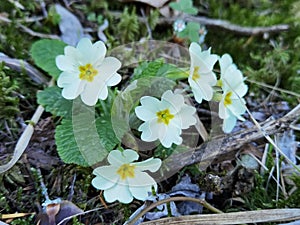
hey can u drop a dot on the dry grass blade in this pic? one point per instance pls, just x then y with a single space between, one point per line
270 215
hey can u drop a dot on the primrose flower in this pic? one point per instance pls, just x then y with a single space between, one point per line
232 104
124 180
202 78
165 119
86 71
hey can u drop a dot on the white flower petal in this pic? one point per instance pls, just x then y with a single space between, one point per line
98 52
114 80
237 107
151 130
85 48
229 123
91 93
210 59
72 90
144 114
140 187
103 92
65 63
108 68
208 78
152 164
187 116
118 192
222 110
147 134
172 101
233 80
67 78
201 91
172 135
225 61
204 60
151 104
102 183
118 158
108 173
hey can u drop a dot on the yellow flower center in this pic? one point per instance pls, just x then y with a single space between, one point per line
227 100
126 170
87 72
164 116
196 74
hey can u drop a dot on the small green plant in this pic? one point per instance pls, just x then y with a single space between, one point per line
185 6
128 27
8 99
95 18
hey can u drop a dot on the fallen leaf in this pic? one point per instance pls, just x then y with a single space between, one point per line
57 212
70 27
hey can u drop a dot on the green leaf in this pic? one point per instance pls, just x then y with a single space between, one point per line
44 53
159 68
185 6
106 133
148 69
173 72
191 32
54 103
67 148
83 140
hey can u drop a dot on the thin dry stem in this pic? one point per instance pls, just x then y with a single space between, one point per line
174 199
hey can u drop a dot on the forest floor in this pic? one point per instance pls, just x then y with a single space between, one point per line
254 174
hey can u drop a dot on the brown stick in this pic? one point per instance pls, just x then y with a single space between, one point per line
174 199
225 147
267 215
29 31
222 24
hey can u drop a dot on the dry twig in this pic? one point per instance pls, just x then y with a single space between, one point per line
29 31
222 24
174 199
225 147
268 215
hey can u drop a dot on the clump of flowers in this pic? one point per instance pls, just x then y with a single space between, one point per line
124 179
232 104
86 71
202 80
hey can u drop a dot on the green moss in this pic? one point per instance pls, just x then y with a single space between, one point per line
261 59
8 99
128 27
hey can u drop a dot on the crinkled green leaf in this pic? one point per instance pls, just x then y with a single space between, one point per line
77 142
44 53
191 31
67 148
173 72
106 133
185 6
148 69
54 103
159 68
